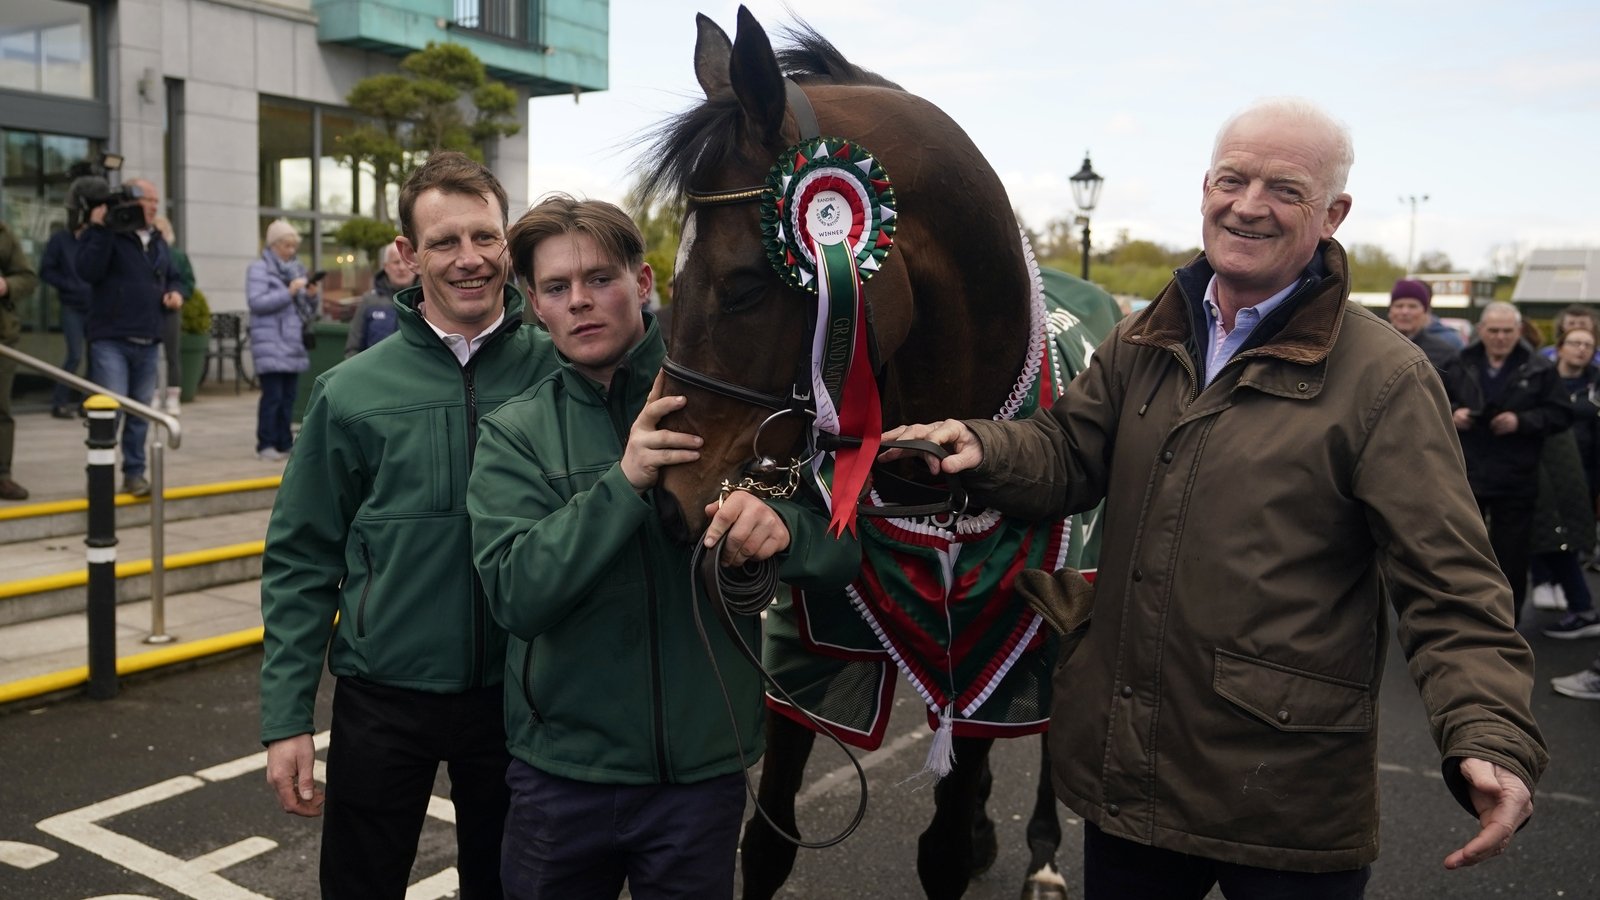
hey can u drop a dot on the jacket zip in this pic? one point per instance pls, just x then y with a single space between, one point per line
361 607
534 718
614 396
480 600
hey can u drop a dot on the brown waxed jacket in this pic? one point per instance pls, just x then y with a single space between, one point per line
1224 700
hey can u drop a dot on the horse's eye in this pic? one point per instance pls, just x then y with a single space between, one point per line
742 298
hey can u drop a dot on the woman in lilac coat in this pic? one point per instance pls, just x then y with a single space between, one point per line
282 300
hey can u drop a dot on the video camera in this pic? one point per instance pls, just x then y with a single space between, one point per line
92 186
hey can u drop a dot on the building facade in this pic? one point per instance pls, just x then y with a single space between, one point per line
235 109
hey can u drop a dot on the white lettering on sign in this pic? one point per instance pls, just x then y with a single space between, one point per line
828 218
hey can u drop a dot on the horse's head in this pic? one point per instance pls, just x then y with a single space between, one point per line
736 321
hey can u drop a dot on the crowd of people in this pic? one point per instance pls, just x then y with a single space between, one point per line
460 455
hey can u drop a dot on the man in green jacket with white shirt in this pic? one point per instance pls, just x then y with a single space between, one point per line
371 524
625 763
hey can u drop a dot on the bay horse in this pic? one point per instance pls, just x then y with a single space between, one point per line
955 325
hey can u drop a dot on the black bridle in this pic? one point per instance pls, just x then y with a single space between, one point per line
798 402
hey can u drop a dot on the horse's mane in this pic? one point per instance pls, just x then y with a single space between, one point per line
702 137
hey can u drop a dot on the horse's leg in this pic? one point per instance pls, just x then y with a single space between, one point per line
944 850
985 844
767 857
1044 881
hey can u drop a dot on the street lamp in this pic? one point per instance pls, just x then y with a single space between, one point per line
1411 246
1086 192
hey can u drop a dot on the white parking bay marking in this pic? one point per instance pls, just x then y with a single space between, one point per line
18 855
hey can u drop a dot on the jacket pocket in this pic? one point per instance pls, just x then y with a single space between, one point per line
366 590
1291 699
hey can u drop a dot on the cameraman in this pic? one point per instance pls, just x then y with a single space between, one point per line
131 279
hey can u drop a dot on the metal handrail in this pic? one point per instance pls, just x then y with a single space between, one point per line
174 432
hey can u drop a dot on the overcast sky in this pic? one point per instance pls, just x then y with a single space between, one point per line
1492 109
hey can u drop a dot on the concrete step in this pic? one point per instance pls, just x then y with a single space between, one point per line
48 577
66 518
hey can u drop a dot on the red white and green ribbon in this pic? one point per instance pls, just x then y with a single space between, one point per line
828 224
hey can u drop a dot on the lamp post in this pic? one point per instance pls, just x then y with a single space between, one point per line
1411 245
1086 192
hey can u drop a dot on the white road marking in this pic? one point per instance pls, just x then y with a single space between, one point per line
195 878
847 774
18 855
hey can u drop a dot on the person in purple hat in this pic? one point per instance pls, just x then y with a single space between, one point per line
1410 312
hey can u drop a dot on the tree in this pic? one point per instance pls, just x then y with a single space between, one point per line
367 235
441 99
1372 268
1435 262
660 224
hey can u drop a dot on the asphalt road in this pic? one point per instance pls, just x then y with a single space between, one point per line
160 794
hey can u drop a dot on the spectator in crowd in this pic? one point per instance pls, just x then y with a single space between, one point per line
1410 312
171 320
1506 400
131 280
1276 462
1565 514
283 303
369 559
59 269
375 318
1574 316
574 557
17 281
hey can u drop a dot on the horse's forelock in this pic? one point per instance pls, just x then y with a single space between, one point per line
704 137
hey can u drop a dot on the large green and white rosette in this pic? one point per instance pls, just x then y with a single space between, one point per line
828 225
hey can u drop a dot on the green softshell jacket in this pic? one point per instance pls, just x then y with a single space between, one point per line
371 520
607 680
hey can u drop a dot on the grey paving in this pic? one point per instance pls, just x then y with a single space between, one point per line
217 444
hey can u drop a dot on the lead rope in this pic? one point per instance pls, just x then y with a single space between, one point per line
746 591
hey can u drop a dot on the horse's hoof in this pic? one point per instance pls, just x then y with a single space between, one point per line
1045 884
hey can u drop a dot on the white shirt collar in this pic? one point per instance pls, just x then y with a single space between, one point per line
460 346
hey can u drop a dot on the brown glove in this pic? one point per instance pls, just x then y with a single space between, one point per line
1065 599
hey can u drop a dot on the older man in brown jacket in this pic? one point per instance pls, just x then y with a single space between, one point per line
1276 463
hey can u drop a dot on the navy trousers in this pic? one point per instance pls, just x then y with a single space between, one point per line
1119 869
383 756
573 840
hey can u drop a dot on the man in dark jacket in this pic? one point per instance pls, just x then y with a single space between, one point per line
371 525
375 318
131 279
59 269
17 281
1505 399
1276 462
617 704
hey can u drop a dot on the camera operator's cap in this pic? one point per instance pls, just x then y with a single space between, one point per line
1412 289
280 229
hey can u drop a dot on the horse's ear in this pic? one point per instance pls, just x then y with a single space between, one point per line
711 52
757 81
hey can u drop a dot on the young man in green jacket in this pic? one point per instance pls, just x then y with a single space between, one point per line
625 764
371 524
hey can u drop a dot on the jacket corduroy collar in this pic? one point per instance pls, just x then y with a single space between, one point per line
1310 318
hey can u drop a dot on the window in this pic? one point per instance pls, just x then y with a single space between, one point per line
47 47
502 18
33 202
303 179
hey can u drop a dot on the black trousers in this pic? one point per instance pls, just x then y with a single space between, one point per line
574 840
384 752
1510 521
1119 869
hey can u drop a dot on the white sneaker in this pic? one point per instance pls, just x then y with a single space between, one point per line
1549 596
172 401
271 455
1583 685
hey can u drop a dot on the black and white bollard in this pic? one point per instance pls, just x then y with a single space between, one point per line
102 545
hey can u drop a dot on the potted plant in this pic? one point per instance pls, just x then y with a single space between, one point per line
195 324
